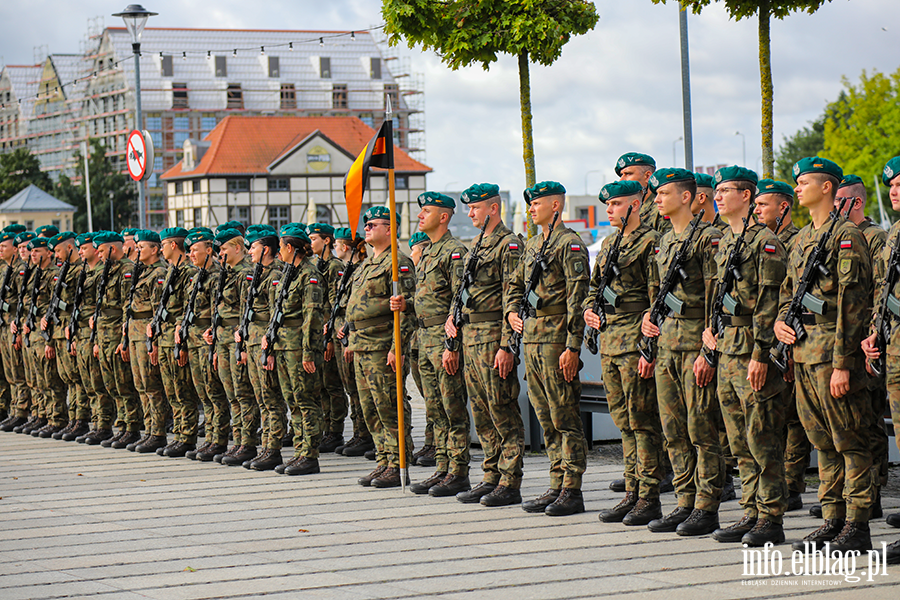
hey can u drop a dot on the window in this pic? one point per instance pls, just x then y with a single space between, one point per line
181 123
156 202
401 182
323 214
325 67
179 95
207 124
157 221
180 138
221 66
273 66
29 225
279 185
166 66
198 217
279 216
234 96
179 188
392 91
584 214
375 72
288 96
56 223
195 186
339 95
179 218
241 214
238 185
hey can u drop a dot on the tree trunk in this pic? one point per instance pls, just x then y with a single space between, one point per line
527 132
765 86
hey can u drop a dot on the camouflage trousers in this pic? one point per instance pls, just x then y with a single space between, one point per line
216 407
53 390
103 407
334 400
556 404
28 360
149 384
751 418
7 376
796 445
417 379
79 404
634 410
35 371
495 410
14 370
181 394
892 380
118 380
878 438
236 382
445 407
837 429
377 385
731 461
303 393
689 416
348 377
272 408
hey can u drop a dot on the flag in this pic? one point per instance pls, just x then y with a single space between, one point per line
379 152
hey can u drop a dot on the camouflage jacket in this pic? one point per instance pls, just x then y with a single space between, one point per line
683 333
497 263
562 288
876 238
636 262
303 311
142 304
203 303
650 215
846 293
762 264
89 299
437 273
341 316
331 271
112 310
181 289
66 296
230 308
42 300
720 224
369 300
11 299
256 330
788 235
893 347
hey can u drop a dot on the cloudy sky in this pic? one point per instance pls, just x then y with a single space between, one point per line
614 90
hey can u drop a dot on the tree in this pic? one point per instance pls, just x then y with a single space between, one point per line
809 141
463 32
765 10
19 169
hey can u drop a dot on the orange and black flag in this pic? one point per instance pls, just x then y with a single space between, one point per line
379 152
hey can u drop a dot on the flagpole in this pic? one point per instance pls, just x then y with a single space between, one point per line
395 274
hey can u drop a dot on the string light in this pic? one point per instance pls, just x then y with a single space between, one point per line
321 42
352 36
291 46
208 55
184 56
234 53
262 50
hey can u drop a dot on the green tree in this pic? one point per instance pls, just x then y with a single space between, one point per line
463 32
764 10
106 184
809 141
19 169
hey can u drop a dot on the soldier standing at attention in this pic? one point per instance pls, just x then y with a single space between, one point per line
634 166
26 276
129 244
632 399
687 405
440 369
424 456
749 388
551 336
13 365
704 200
492 383
829 369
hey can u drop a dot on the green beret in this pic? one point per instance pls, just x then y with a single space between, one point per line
199 236
849 180
173 232
223 235
38 242
260 228
342 233
666 176
380 212
817 164
891 170
479 192
203 229
15 229
47 231
24 236
295 231
260 232
704 180
544 188
5 236
232 225
418 237
59 238
634 158
107 237
322 229
129 231
146 235
436 199
619 189
84 238
770 186
736 173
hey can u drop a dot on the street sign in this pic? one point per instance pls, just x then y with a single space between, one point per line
139 155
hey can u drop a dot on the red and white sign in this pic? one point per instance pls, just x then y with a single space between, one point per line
139 154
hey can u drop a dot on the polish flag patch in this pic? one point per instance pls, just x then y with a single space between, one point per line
340 273
846 244
160 281
127 275
656 250
575 247
770 248
314 281
56 279
514 246
715 242
21 272
404 269
249 277
455 256
276 282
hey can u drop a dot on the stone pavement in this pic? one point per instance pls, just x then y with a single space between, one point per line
91 522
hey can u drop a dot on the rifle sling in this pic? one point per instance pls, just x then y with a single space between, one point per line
626 308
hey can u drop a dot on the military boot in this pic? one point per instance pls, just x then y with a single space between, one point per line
736 531
267 462
37 423
794 502
130 437
81 428
503 496
98 436
330 442
617 485
892 554
643 512
816 511
389 478
48 431
728 492
192 454
422 487
133 445
226 452
428 459
451 485
829 530
701 522
340 449
303 466
179 450
26 423
12 423
618 512
671 521
370 454
893 519
854 536
107 443
366 481
210 452
240 456
541 502
877 511
764 532
58 435
360 448
476 493
82 439
667 483
153 444
247 464
570 502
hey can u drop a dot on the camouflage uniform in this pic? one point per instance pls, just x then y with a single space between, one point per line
650 215
147 376
750 416
346 369
892 360
548 331
101 401
299 340
334 400
835 426
13 364
689 413
53 390
417 379
371 339
494 401
631 398
445 396
79 404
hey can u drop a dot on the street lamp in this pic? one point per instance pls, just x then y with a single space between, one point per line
743 147
674 144
135 17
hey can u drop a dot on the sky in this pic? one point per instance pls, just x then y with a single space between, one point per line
614 90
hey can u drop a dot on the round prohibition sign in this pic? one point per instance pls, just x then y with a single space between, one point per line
139 153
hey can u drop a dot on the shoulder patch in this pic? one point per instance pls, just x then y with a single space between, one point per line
455 256
770 248
656 250
314 281
575 247
404 269
513 245
846 244
160 281
340 273
276 281
715 242
249 277
845 265
127 275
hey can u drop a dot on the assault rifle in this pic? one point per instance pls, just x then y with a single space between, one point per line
216 317
666 303
277 319
162 313
190 311
20 308
889 303
76 307
342 289
247 316
530 302
56 304
101 293
781 218
462 298
610 272
723 298
32 309
4 289
139 268
803 300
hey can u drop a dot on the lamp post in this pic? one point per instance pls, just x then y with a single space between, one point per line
135 17
743 147
674 144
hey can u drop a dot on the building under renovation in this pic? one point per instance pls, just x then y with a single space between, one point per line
191 79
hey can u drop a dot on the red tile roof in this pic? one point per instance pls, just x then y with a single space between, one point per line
248 145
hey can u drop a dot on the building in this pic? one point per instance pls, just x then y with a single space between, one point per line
278 170
33 207
191 79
